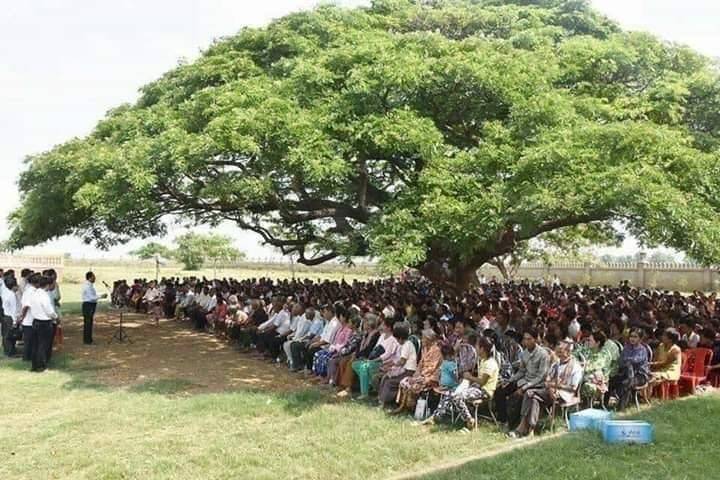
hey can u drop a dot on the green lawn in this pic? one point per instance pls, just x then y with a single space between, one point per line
65 425
687 446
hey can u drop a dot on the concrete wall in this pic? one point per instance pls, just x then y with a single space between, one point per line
34 262
670 276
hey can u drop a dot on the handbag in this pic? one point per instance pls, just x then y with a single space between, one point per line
376 352
59 337
421 409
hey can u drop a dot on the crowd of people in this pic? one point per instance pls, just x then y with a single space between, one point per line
30 313
515 348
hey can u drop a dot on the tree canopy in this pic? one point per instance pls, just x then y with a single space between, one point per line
423 132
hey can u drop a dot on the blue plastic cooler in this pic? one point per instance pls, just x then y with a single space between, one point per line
628 431
589 419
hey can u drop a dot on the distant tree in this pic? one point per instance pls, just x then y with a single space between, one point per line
218 249
151 250
195 249
661 257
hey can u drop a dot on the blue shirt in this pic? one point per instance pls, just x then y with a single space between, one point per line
449 374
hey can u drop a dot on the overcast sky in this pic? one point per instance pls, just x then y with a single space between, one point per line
63 64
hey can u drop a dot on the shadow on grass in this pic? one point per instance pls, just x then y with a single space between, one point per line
164 386
82 377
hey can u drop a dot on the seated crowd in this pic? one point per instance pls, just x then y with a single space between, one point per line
517 348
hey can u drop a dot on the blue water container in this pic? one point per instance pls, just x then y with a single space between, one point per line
628 431
589 419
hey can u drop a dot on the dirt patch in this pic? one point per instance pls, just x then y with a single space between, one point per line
171 352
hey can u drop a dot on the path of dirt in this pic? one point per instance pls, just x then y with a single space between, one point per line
172 351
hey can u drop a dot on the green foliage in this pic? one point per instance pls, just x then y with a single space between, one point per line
448 130
151 250
194 249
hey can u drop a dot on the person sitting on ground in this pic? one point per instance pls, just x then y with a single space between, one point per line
472 388
561 386
669 358
380 359
533 368
405 366
426 376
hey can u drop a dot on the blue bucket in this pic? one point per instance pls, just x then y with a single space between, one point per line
628 431
589 419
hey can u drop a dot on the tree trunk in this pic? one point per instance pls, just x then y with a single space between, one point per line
457 278
466 277
502 268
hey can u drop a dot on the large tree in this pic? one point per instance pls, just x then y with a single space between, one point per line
437 134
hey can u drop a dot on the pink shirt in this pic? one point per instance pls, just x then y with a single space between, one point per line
342 337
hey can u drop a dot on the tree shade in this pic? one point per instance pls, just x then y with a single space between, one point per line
423 132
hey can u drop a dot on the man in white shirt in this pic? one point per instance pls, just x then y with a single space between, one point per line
267 331
28 334
89 306
43 314
10 314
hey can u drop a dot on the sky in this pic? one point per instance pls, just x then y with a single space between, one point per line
63 64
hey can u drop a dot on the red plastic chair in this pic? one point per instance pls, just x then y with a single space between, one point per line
695 368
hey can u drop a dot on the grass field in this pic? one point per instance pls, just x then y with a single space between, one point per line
65 425
62 424
687 445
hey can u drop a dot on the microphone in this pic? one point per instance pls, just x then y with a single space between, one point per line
105 283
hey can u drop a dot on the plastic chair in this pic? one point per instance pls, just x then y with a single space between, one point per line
645 390
669 390
490 403
565 408
696 363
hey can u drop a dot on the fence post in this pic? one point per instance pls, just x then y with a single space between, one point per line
588 273
708 279
641 264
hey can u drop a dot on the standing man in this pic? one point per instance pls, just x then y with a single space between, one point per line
28 332
43 314
89 305
10 314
